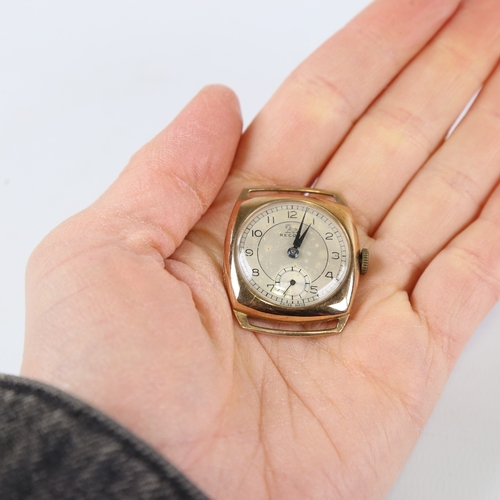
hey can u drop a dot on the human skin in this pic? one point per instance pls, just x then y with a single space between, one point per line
126 306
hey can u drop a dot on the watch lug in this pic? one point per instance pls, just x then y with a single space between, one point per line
245 193
245 323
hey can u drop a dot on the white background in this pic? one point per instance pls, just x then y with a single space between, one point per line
84 84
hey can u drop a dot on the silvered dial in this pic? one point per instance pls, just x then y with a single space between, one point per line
292 253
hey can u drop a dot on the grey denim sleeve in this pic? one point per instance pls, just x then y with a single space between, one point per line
53 446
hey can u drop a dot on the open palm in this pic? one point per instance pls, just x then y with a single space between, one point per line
126 305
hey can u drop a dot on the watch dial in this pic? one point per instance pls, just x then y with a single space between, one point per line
292 253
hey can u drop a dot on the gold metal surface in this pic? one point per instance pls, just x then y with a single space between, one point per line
245 323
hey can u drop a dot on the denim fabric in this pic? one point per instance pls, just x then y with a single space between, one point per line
53 446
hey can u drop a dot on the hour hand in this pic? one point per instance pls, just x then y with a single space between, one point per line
302 236
299 237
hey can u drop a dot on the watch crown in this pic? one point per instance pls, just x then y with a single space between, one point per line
364 258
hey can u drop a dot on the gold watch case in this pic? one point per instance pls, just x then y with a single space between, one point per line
253 312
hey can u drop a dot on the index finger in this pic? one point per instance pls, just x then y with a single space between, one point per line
298 130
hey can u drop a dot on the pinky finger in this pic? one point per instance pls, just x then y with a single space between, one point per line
462 284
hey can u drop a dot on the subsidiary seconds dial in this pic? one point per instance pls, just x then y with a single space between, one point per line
292 253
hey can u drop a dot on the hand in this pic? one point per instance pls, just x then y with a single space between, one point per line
127 310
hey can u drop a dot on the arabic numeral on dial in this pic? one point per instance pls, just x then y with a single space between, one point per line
329 236
255 272
257 233
270 219
313 289
292 214
270 286
329 274
248 252
335 255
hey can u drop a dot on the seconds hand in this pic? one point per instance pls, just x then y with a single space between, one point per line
292 282
293 252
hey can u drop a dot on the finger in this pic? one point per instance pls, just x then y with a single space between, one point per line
173 179
462 283
400 131
303 123
447 193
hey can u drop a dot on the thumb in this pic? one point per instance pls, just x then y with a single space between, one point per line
170 182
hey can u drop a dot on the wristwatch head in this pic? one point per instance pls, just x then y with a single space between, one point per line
291 261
